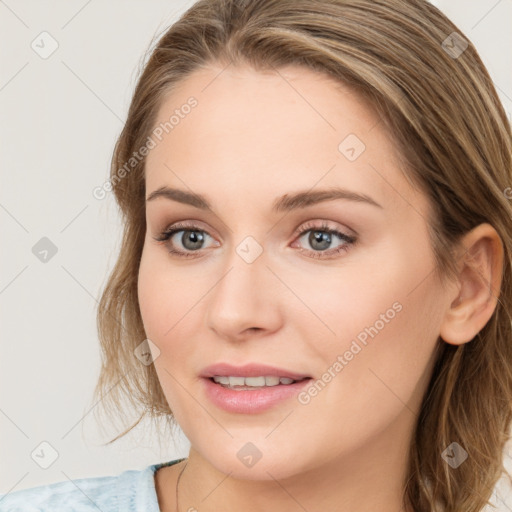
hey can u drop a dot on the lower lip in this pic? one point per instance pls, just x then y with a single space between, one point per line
250 401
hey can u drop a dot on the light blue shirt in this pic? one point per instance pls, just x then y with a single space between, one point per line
130 491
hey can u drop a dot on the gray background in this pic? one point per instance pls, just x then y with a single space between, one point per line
60 119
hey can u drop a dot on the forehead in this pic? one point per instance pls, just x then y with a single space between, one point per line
281 130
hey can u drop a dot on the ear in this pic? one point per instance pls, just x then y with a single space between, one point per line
479 282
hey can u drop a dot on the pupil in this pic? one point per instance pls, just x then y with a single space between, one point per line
195 237
322 237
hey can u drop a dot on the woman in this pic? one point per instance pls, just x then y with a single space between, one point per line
315 276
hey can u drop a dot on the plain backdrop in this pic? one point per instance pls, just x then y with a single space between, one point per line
60 119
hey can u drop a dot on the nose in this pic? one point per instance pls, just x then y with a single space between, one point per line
245 300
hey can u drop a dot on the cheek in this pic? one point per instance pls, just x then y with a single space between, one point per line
164 301
149 296
386 318
172 305
165 294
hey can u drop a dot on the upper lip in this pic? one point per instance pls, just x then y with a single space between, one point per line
249 370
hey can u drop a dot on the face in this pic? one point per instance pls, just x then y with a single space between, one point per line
339 290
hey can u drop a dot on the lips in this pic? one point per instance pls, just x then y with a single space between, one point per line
250 370
248 399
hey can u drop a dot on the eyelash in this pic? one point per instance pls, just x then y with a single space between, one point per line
166 235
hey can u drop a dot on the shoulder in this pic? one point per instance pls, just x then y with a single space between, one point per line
83 494
124 492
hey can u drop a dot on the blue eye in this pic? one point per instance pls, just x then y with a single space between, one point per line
320 238
192 239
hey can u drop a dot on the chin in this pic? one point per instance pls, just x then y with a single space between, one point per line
258 460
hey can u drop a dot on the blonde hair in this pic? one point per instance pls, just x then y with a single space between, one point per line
453 134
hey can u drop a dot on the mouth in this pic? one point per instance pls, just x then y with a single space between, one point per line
252 388
240 383
251 375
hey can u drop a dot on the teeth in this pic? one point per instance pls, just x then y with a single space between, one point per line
221 380
256 382
271 381
253 381
236 381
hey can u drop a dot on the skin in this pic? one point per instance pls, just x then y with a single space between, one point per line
254 137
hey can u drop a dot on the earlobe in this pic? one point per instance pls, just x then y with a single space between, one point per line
478 285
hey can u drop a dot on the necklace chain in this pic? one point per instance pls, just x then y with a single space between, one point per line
177 485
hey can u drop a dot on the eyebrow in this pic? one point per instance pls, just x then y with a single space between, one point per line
284 203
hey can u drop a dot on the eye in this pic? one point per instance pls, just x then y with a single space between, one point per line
191 240
320 238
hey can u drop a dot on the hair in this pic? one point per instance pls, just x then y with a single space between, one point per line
453 135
